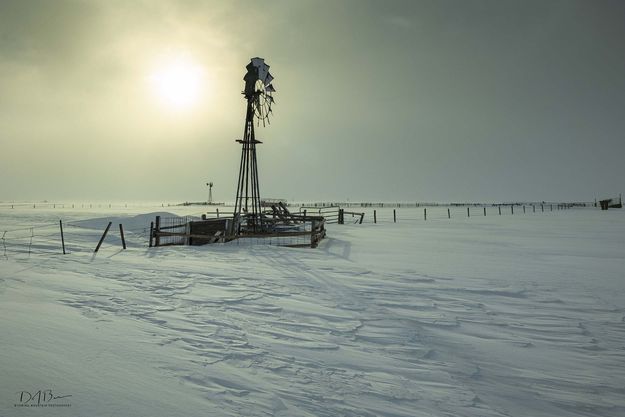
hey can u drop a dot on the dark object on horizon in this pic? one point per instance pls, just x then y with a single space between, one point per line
199 203
611 203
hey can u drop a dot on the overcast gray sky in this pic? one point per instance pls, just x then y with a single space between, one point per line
376 100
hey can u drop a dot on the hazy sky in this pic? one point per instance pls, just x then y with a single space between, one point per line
376 100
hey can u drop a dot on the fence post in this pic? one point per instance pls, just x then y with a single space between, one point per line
484 211
4 244
375 219
151 232
468 212
341 216
121 233
512 209
425 214
62 237
500 210
523 209
542 208
102 238
217 209
448 214
157 230
394 216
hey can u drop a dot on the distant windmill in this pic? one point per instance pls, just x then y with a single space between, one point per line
210 192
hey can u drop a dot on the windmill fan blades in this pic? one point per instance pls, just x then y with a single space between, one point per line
259 87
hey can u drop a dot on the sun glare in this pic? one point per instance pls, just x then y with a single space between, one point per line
178 83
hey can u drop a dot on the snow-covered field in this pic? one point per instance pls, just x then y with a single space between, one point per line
506 315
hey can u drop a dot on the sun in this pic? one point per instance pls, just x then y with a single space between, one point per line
178 83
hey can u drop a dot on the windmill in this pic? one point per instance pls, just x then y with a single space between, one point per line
258 94
210 192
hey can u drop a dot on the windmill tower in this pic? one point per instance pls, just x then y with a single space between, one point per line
258 94
210 192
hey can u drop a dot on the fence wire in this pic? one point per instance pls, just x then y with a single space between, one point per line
46 239
22 240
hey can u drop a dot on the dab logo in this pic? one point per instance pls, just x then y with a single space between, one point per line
42 398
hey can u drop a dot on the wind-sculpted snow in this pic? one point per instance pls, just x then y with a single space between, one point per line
518 317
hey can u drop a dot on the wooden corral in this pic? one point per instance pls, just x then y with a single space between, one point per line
305 231
203 232
169 231
294 230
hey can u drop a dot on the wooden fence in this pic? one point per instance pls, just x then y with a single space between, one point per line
332 214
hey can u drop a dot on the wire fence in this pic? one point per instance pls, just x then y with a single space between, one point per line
85 206
412 214
362 204
45 238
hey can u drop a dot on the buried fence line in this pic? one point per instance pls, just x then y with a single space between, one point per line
83 205
396 215
64 237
